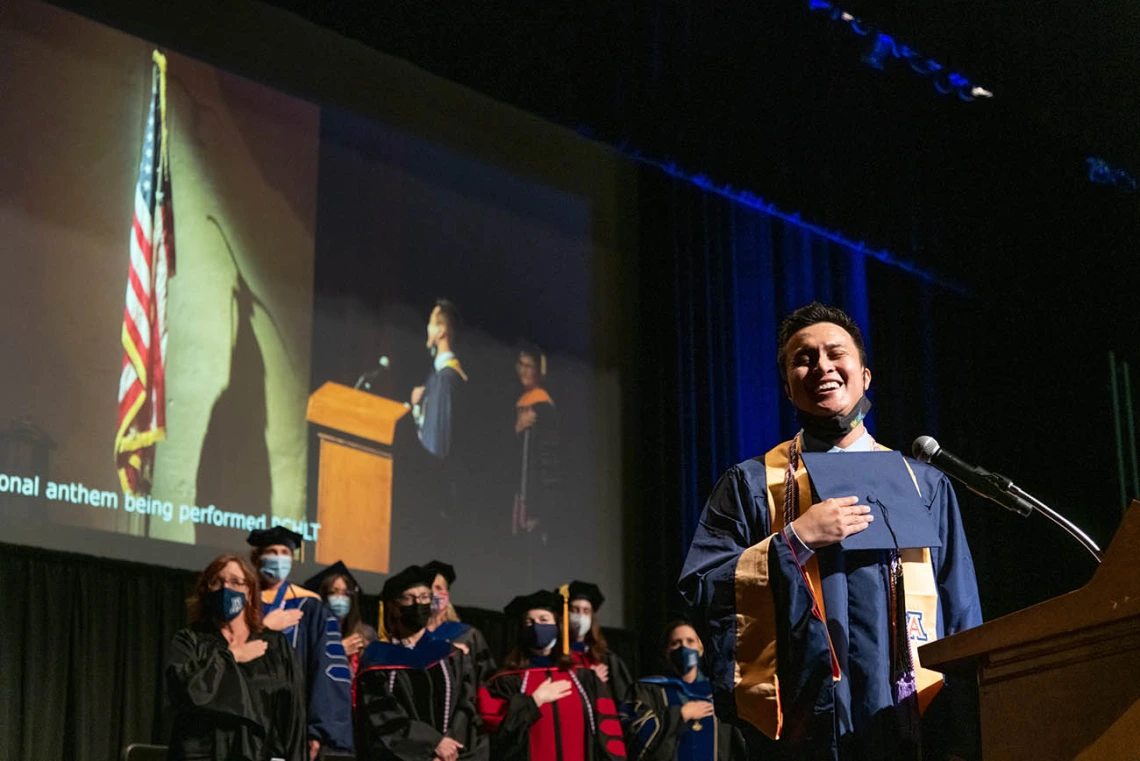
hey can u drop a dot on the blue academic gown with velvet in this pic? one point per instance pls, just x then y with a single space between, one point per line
836 697
328 677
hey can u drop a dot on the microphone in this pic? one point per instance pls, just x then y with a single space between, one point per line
993 486
366 378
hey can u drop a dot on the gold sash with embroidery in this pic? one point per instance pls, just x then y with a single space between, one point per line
756 683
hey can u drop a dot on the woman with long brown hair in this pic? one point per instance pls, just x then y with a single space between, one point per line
235 687
540 705
588 645
341 593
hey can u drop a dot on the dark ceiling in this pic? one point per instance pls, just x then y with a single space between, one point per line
1071 66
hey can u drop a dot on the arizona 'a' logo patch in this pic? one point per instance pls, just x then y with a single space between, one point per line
914 626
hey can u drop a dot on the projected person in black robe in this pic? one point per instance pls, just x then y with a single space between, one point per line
671 717
540 706
313 632
445 623
415 694
536 430
235 687
813 641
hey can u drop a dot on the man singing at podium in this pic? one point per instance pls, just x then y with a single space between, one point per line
813 602
434 404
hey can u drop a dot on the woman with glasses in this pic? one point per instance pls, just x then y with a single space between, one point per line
234 685
415 693
341 593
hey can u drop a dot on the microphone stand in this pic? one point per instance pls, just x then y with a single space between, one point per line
1009 487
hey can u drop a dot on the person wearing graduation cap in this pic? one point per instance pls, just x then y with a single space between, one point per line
313 632
541 706
445 623
812 630
670 717
536 430
588 646
414 693
341 593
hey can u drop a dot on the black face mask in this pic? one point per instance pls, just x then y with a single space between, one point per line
415 616
833 427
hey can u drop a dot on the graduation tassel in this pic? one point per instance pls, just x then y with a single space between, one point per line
381 632
564 590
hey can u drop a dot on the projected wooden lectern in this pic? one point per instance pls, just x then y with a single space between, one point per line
354 488
1060 680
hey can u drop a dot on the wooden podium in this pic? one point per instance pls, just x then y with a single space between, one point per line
1060 680
354 488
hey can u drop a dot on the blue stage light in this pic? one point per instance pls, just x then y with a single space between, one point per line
884 46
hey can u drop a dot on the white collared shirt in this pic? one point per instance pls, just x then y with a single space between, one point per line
442 359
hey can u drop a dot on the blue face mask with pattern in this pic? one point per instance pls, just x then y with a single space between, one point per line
226 604
276 567
340 605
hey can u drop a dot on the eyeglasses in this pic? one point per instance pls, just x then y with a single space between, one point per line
407 599
233 582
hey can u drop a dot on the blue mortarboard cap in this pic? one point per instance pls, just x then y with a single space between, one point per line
882 481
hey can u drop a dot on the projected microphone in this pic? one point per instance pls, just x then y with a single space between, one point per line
366 379
993 486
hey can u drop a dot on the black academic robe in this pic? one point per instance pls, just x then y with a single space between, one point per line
540 465
655 730
408 699
230 711
583 726
618 681
474 642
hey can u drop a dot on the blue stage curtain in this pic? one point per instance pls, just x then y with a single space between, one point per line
724 275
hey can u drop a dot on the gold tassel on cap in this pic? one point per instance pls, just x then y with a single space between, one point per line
381 632
564 590
542 364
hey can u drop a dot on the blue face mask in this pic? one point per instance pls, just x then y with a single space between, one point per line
540 636
226 604
339 605
684 659
276 567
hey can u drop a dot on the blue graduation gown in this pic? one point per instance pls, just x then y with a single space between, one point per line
328 676
824 650
440 401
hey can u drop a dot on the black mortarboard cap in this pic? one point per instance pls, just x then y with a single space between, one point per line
265 537
439 568
584 590
412 576
543 599
882 481
338 568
